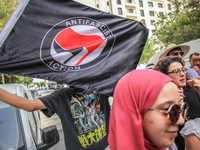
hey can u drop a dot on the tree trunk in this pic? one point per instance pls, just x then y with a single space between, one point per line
9 81
3 81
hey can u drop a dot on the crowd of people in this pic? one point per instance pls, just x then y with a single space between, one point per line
172 64
152 109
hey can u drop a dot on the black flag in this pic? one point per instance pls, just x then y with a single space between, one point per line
67 42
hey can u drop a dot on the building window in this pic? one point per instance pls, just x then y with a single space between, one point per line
160 5
130 10
107 3
169 6
142 12
97 5
152 22
119 2
141 3
129 1
151 13
161 14
150 4
119 11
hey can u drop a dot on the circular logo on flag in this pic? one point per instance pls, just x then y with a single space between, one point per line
76 44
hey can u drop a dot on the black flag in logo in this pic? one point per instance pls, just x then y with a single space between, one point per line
71 43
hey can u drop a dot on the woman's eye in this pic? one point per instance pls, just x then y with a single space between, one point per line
166 109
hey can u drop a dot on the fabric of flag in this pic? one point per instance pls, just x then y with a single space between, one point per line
67 42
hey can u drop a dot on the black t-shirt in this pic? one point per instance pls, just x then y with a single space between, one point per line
84 117
193 100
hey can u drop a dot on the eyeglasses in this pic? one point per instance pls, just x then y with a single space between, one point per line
176 53
178 71
174 111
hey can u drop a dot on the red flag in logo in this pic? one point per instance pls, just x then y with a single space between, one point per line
69 39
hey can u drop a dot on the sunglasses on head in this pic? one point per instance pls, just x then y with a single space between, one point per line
176 53
174 111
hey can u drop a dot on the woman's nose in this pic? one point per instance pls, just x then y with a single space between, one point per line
182 73
181 120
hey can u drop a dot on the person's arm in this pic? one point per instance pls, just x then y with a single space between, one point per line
192 142
20 102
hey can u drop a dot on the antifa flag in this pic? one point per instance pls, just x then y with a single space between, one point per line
67 42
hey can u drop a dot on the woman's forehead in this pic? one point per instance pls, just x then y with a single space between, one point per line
169 94
175 65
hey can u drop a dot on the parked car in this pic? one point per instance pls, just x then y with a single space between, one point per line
32 87
20 129
35 94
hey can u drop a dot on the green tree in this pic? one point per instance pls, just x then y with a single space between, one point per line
149 50
6 9
16 79
24 80
180 25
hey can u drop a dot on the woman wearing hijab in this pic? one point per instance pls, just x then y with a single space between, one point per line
174 67
146 112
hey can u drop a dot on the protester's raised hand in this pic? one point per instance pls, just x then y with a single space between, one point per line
198 78
190 82
195 83
143 23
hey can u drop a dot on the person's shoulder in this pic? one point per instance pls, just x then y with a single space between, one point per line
60 91
193 72
190 69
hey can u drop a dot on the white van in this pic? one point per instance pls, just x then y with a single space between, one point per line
20 129
194 47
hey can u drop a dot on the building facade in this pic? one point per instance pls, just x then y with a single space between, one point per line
103 5
145 10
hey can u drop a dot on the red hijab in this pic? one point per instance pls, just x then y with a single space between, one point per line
134 94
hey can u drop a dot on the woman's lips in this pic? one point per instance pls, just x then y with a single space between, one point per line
182 80
173 133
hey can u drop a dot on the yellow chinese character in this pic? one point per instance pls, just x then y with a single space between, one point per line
91 137
103 128
83 140
98 133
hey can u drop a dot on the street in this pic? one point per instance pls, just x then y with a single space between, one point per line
54 120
